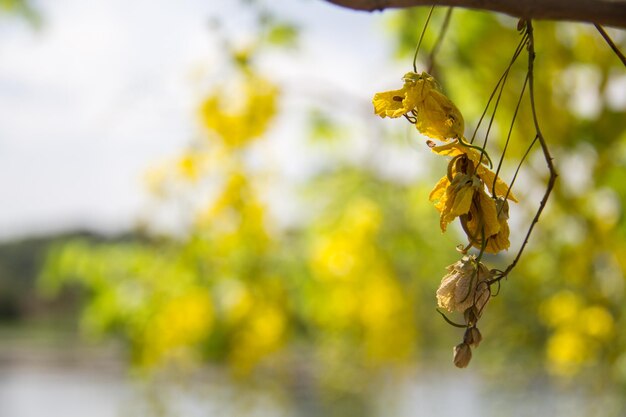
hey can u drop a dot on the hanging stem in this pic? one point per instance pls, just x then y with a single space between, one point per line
450 322
506 196
439 41
614 47
508 138
419 43
493 115
478 148
518 51
544 148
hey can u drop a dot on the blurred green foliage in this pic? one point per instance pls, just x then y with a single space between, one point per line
20 264
23 8
350 290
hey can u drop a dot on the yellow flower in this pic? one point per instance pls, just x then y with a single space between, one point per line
421 97
464 286
456 149
484 218
454 198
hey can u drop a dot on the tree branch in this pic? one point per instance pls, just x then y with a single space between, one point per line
601 12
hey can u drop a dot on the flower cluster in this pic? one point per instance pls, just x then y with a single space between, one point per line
470 191
424 104
461 193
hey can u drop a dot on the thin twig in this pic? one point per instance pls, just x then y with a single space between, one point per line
518 50
542 142
508 138
608 40
450 322
519 166
493 115
419 43
439 41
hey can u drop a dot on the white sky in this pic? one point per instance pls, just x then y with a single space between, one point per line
104 90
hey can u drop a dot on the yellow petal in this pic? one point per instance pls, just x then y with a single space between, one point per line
418 87
438 117
439 190
489 214
458 198
482 220
389 103
496 228
455 149
499 241
462 201
449 149
501 188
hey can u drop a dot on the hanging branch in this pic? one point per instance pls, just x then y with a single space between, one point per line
611 44
601 12
544 149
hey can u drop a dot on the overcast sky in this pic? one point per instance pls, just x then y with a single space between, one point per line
104 89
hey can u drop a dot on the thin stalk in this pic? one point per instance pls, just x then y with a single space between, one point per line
508 138
516 54
608 40
439 41
419 43
544 148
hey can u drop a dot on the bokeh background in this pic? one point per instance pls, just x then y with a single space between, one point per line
202 216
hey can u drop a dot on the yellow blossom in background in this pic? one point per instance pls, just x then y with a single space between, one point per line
177 326
356 288
238 118
189 166
260 334
235 300
578 332
336 255
567 351
236 217
385 316
561 309
421 97
597 322
163 178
